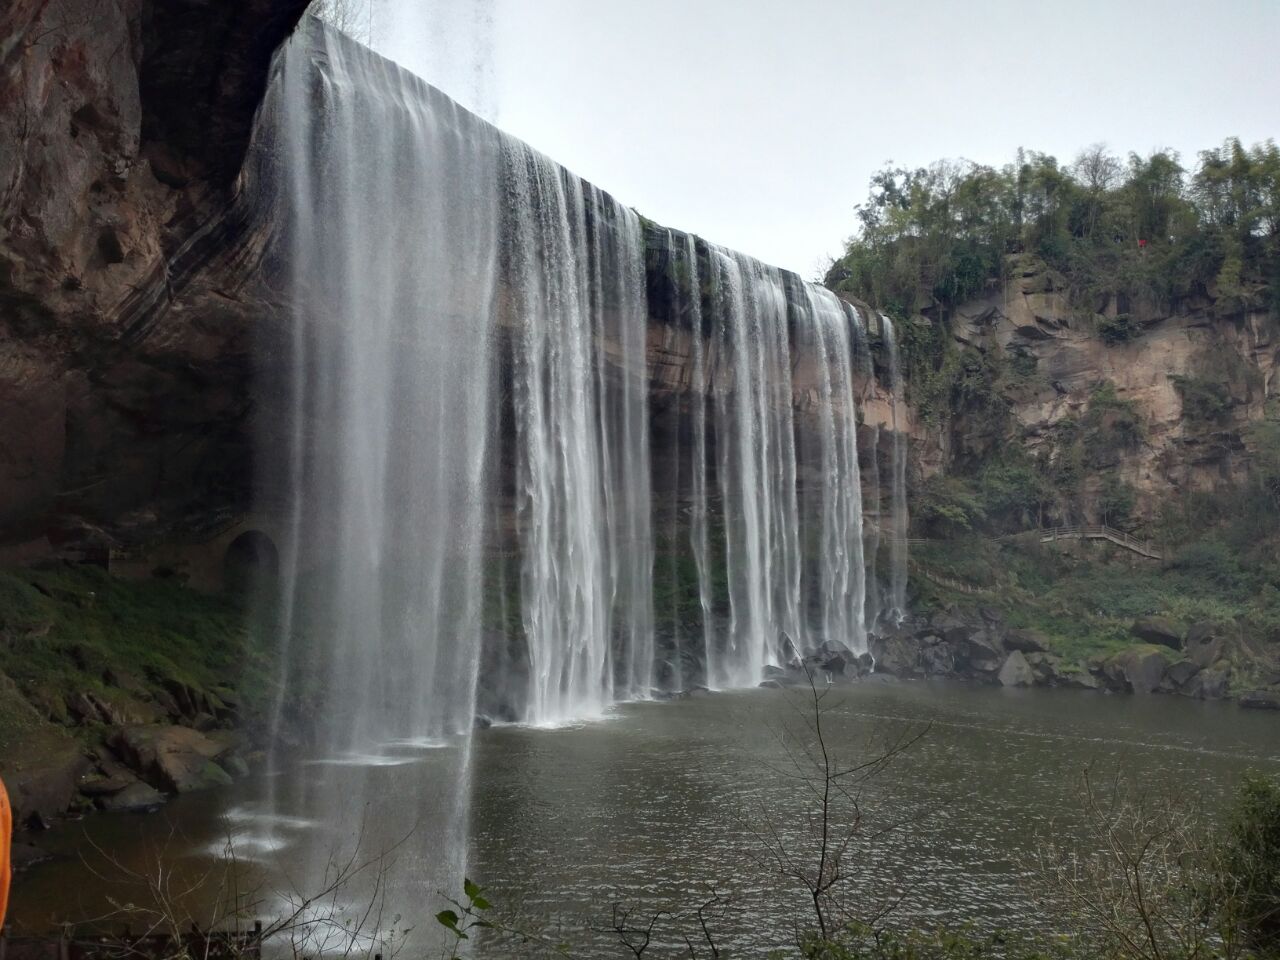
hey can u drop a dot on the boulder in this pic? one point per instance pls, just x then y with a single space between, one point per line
235 766
44 790
899 655
938 660
173 759
981 651
1158 630
1047 667
1026 641
1212 683
1143 669
1016 672
100 786
135 798
770 684
835 665
1206 643
863 664
1178 675
1109 671
1261 700
1081 680
118 677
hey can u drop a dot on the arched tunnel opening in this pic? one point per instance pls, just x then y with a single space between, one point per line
251 560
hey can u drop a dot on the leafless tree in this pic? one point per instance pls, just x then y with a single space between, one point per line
1141 882
157 908
821 863
352 17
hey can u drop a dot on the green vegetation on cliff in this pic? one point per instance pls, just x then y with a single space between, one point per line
86 650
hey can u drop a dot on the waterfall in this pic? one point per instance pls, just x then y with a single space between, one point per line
897 606
387 220
459 443
466 447
583 499
394 296
841 581
872 531
756 470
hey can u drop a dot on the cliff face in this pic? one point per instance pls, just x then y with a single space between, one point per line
133 279
138 296
123 246
1171 391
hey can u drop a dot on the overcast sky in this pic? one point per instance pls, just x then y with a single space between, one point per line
757 123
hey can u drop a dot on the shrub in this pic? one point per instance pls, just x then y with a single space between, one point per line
1211 560
1203 401
1118 329
1249 865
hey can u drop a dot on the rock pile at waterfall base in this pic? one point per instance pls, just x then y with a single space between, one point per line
1208 661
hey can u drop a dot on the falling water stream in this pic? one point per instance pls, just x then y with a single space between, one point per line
897 603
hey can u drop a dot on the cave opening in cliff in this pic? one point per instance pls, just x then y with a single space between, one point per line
251 559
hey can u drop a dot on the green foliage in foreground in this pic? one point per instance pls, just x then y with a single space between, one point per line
1251 863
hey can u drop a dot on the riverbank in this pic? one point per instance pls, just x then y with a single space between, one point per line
116 694
1088 616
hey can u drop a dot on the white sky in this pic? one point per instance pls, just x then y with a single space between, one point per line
757 123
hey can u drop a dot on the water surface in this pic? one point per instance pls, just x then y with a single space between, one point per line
653 807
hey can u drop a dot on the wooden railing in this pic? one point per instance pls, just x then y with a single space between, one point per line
1144 548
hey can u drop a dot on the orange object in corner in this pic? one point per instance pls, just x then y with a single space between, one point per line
6 839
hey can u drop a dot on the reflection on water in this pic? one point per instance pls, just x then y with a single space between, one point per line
665 800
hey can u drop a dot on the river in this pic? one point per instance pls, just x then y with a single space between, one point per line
663 801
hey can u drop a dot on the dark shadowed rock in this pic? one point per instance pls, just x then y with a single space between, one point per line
1158 630
835 665
863 664
1261 700
44 790
770 684
1027 641
938 659
135 798
1178 676
980 652
1047 667
1212 683
100 786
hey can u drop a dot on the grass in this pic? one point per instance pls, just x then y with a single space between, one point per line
1084 603
62 627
